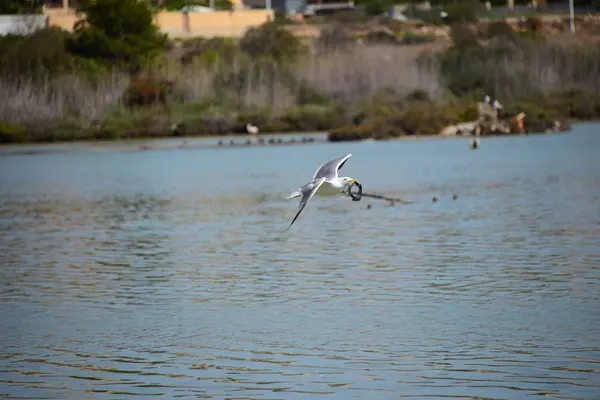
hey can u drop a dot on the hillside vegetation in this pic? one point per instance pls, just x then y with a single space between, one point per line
116 76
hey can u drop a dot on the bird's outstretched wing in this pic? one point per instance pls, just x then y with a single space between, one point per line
330 169
308 191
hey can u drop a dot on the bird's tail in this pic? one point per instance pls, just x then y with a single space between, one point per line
295 193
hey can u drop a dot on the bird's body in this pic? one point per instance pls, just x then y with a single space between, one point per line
325 182
331 188
252 129
327 188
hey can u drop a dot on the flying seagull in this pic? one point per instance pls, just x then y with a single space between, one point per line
325 182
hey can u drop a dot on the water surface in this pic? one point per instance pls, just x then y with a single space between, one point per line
167 273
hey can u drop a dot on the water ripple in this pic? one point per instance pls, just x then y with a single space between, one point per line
119 281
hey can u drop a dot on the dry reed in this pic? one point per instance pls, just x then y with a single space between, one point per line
346 76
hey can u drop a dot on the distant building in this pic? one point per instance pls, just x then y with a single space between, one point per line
21 24
288 6
317 7
60 3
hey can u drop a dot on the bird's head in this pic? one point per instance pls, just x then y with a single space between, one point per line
349 181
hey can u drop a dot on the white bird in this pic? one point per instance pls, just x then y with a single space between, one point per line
487 99
497 105
325 182
251 129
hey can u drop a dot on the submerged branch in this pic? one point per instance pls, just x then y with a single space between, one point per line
390 199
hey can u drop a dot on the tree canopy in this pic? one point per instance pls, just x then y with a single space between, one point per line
117 31
21 6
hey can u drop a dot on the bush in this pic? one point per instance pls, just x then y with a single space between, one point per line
271 40
143 91
21 7
463 36
377 7
499 29
424 118
334 37
461 69
463 111
312 118
463 12
575 103
10 133
352 132
382 36
307 94
136 124
417 95
538 118
118 32
416 38
376 128
43 52
209 51
347 17
431 17
534 24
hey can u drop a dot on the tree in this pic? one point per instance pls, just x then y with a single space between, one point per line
21 6
117 31
376 7
271 40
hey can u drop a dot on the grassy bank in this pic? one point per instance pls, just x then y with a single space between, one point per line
339 83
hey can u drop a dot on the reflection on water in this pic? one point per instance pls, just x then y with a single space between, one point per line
168 273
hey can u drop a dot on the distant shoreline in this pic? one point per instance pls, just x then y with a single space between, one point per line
181 143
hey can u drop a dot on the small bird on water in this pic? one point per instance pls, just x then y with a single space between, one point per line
325 182
252 129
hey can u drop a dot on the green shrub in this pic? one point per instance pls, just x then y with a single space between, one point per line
10 133
118 32
307 94
463 12
209 51
260 118
355 132
534 24
431 17
418 95
381 36
377 7
273 41
424 118
43 52
463 36
21 7
143 91
499 28
416 38
312 117
374 128
334 37
538 118
150 122
463 112
580 104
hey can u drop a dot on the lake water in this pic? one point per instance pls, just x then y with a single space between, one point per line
168 273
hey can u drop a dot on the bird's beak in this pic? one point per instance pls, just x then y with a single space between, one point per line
352 181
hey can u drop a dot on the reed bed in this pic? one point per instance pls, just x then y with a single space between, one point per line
317 92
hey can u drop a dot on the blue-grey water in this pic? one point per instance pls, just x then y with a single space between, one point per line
168 273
